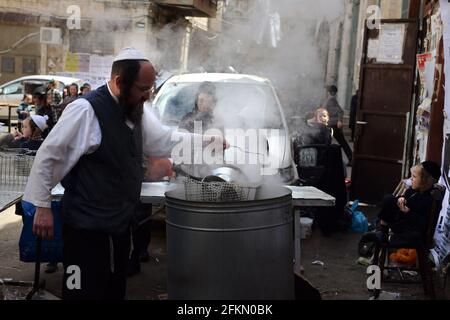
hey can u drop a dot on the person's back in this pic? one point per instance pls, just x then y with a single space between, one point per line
335 111
336 114
315 134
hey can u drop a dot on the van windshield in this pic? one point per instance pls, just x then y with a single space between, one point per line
238 105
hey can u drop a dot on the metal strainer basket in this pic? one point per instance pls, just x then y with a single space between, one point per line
218 191
14 169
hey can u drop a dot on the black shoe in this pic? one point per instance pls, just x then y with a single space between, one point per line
144 257
381 236
51 268
133 268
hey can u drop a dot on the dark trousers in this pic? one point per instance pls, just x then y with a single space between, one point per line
102 261
338 134
141 232
390 212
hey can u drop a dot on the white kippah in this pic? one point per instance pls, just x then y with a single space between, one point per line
130 54
40 121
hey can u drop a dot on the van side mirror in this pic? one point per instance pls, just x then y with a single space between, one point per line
1 90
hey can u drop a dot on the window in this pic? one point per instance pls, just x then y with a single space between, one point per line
14 88
91 42
238 105
8 65
29 65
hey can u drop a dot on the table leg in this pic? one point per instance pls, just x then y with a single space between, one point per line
9 119
297 241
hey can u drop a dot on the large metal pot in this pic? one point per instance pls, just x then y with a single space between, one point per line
230 251
224 173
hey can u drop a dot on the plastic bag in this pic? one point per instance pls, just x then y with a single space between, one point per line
52 250
407 256
360 224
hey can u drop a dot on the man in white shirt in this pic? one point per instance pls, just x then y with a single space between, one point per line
96 150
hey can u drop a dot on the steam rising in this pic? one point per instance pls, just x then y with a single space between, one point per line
297 64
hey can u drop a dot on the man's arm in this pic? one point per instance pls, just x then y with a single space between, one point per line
77 133
158 139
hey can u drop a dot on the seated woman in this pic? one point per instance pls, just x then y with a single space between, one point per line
203 109
407 216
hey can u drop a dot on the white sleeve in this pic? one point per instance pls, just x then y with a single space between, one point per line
76 133
158 139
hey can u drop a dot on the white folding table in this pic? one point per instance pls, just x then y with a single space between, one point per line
306 197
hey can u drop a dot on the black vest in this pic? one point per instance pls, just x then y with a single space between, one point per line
102 190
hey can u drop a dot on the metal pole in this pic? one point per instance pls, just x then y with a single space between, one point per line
37 270
297 242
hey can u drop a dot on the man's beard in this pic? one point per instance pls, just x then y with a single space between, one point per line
133 112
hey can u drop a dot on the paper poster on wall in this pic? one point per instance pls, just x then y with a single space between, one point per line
445 16
372 49
426 64
391 43
94 69
442 234
71 62
83 62
430 71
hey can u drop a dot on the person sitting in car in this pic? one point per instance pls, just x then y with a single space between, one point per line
203 109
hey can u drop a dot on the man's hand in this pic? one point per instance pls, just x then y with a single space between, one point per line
340 125
216 139
158 168
43 223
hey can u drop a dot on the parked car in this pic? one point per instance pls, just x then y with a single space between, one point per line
243 102
11 93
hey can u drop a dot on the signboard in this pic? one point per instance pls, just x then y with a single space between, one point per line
94 69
